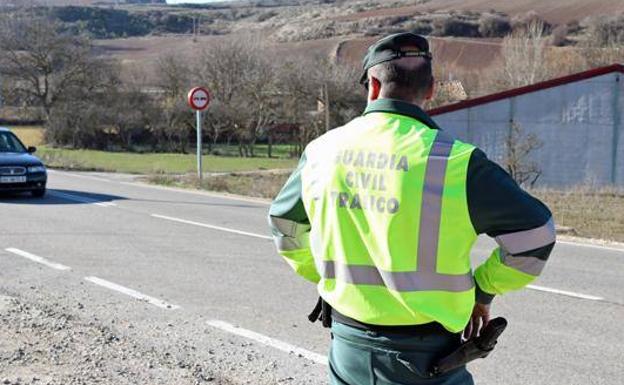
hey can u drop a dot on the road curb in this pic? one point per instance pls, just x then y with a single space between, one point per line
592 242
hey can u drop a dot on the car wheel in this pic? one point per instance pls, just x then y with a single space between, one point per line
38 193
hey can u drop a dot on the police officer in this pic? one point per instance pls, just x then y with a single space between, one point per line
381 214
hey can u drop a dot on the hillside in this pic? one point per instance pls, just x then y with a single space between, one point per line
140 33
554 11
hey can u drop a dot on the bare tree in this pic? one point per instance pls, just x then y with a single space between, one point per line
523 55
129 109
298 108
518 147
243 81
172 119
345 96
318 95
173 75
44 65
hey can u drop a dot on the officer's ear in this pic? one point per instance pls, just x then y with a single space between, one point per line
431 91
374 88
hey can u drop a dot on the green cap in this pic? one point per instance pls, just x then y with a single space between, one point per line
394 47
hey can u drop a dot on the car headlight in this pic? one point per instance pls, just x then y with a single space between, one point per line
35 169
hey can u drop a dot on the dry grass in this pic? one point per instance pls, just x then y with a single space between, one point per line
592 213
29 135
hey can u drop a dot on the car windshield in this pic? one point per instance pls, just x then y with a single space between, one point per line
10 143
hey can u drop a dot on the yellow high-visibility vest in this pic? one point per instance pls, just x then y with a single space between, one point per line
390 228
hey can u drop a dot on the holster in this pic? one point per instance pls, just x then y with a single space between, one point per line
321 312
479 347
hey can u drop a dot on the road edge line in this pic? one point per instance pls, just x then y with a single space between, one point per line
269 341
213 227
38 259
566 293
131 292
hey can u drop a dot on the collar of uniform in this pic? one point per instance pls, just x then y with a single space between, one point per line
400 107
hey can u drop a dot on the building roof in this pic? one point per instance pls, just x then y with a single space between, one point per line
527 89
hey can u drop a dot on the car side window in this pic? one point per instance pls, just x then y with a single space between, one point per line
13 144
4 145
10 143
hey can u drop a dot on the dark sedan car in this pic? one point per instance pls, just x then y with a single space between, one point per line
19 169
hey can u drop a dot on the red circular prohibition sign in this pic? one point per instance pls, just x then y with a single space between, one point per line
199 98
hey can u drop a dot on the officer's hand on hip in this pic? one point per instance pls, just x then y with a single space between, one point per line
478 320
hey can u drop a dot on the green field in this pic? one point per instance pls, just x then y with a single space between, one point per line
225 158
154 163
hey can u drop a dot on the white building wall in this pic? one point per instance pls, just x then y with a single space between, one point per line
619 135
575 123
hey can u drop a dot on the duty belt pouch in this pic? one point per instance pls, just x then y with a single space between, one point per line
321 312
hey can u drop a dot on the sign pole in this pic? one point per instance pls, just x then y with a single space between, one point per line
198 99
199 145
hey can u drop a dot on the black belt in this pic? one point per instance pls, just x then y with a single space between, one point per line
326 314
415 330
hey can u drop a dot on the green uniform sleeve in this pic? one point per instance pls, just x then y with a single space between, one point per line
291 228
522 226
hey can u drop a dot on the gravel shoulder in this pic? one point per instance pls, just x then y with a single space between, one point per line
58 336
49 343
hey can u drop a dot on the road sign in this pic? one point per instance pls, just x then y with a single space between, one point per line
199 98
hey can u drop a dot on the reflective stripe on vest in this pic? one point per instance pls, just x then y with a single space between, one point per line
425 278
398 281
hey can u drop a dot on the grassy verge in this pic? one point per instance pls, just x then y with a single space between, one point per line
154 163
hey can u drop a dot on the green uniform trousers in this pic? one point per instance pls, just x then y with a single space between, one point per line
359 357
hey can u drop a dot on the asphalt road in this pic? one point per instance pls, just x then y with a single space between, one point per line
204 266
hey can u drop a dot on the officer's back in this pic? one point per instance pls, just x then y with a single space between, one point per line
382 214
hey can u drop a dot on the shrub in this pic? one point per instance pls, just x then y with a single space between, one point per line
77 126
455 26
574 27
266 16
559 36
521 23
605 30
419 26
494 26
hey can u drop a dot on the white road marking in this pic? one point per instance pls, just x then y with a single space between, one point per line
567 293
212 227
38 259
78 198
272 342
132 293
79 176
